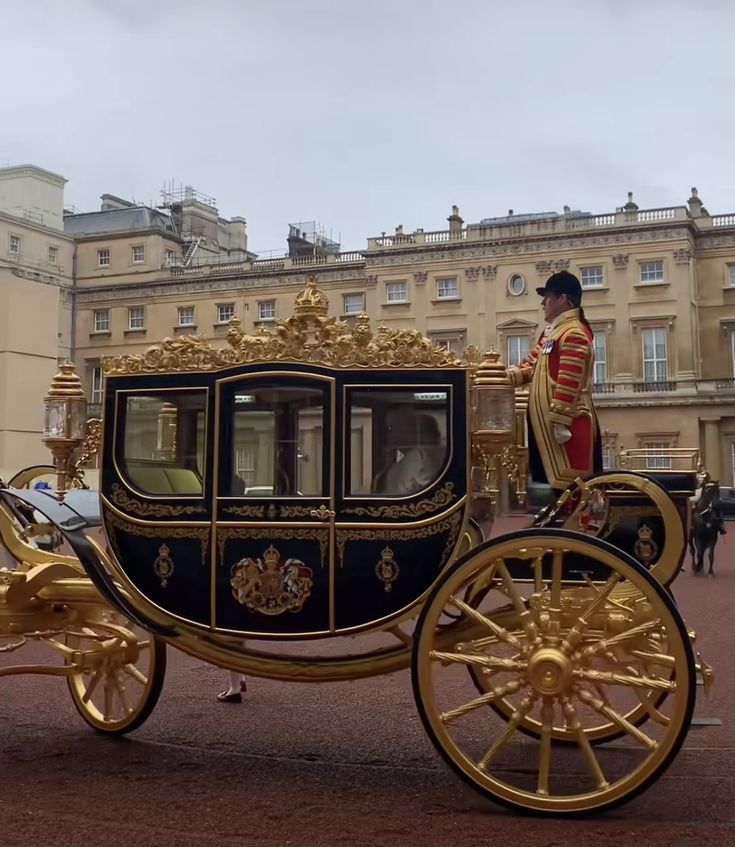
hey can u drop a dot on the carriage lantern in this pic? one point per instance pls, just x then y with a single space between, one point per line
65 421
493 425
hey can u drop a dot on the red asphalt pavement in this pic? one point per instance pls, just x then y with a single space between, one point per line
339 764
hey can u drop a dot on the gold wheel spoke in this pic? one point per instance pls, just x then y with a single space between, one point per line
501 633
108 688
92 687
484 700
547 722
135 673
655 658
610 713
479 659
574 723
611 678
576 632
520 713
123 695
615 640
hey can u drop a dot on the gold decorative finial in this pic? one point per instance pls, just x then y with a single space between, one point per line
311 301
66 383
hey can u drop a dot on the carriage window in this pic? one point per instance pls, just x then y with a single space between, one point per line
163 446
276 444
398 440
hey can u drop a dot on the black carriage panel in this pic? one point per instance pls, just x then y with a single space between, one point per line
275 444
156 482
401 497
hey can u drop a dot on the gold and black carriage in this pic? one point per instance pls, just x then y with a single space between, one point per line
321 480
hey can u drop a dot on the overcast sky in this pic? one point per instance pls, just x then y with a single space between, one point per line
364 115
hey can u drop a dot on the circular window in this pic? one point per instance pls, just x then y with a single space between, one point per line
516 285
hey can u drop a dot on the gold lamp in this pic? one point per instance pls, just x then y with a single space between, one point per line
493 425
65 422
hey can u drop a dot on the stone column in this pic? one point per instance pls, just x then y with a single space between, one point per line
712 447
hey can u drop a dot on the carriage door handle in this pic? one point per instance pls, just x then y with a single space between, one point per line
322 513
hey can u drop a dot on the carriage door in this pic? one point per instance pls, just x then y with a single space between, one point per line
275 504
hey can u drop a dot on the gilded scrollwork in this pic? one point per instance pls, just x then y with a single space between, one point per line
310 335
129 504
450 525
114 524
296 511
260 533
245 511
440 500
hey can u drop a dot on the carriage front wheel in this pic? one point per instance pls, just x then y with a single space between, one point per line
588 635
119 672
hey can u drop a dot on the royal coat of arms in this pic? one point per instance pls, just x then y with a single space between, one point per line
270 585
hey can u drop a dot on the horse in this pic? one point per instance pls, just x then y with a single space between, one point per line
707 526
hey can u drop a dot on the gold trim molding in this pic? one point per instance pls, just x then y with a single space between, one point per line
442 498
149 510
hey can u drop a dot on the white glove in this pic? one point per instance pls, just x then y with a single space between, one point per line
561 433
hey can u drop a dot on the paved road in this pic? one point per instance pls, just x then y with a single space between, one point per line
345 764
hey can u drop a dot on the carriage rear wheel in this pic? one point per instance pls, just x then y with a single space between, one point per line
591 637
121 672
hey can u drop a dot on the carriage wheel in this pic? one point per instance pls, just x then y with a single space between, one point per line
593 636
121 675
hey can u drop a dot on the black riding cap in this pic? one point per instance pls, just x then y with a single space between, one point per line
562 283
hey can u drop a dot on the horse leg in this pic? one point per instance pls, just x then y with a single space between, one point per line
712 556
691 550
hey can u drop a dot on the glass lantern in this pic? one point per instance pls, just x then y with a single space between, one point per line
65 420
493 402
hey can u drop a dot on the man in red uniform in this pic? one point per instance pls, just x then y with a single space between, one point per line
563 433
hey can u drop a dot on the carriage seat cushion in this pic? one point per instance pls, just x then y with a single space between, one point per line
153 478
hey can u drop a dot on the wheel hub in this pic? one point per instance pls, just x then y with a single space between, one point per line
550 671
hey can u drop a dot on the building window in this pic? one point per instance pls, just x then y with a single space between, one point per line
353 304
652 271
447 289
97 390
186 316
518 347
396 292
267 310
53 255
656 458
731 275
592 276
600 344
655 355
103 258
136 317
138 254
14 246
225 312
453 340
168 258
102 320
516 285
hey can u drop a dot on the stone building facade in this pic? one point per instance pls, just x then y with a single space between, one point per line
659 290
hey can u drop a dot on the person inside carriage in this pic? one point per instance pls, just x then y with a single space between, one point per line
414 454
563 433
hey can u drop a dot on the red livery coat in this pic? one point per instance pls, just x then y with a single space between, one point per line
559 369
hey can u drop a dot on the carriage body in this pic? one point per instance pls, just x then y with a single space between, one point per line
283 500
